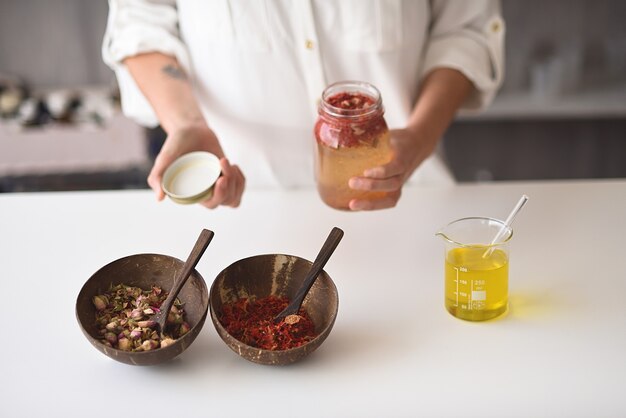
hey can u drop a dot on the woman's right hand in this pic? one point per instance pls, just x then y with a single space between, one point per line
229 186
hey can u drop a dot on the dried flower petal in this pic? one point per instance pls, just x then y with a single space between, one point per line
124 344
252 322
167 341
149 345
292 319
111 337
122 318
184 328
146 324
100 302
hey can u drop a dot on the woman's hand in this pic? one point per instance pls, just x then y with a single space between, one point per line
410 148
166 86
229 186
442 92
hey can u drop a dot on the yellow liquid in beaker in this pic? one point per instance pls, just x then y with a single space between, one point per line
476 288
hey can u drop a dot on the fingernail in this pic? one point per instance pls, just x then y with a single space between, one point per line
355 205
372 172
354 183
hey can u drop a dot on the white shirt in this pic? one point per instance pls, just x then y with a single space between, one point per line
258 67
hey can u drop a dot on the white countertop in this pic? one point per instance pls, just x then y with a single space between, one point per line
394 350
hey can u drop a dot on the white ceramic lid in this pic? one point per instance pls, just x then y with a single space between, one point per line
191 176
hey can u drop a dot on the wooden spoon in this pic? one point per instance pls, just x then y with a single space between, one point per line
325 252
198 249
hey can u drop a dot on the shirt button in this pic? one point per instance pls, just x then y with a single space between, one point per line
309 44
495 27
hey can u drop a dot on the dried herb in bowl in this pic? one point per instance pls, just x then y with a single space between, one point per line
251 321
123 318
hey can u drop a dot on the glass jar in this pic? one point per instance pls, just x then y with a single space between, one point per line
351 136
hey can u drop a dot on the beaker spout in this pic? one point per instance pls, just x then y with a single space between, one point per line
442 236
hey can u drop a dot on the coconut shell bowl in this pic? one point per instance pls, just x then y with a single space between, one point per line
278 275
144 271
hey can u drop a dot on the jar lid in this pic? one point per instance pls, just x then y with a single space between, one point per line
191 177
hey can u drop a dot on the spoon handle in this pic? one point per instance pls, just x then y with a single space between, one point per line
324 255
192 261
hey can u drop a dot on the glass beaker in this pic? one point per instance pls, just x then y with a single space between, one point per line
476 268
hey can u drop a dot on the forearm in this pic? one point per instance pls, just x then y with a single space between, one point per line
166 86
442 93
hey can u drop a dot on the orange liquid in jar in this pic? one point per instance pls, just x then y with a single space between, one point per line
335 166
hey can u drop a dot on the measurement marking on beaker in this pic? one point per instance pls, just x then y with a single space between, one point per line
459 282
457 288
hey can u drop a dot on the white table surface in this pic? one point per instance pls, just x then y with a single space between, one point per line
394 351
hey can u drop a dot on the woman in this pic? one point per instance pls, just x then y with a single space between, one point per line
242 79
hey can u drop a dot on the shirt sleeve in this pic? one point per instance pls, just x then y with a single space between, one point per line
468 36
135 27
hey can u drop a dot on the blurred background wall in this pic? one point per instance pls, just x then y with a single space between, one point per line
53 46
561 112
54 43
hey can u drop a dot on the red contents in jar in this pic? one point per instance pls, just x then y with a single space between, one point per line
350 101
251 321
350 128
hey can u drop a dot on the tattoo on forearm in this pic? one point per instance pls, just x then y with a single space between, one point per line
174 72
